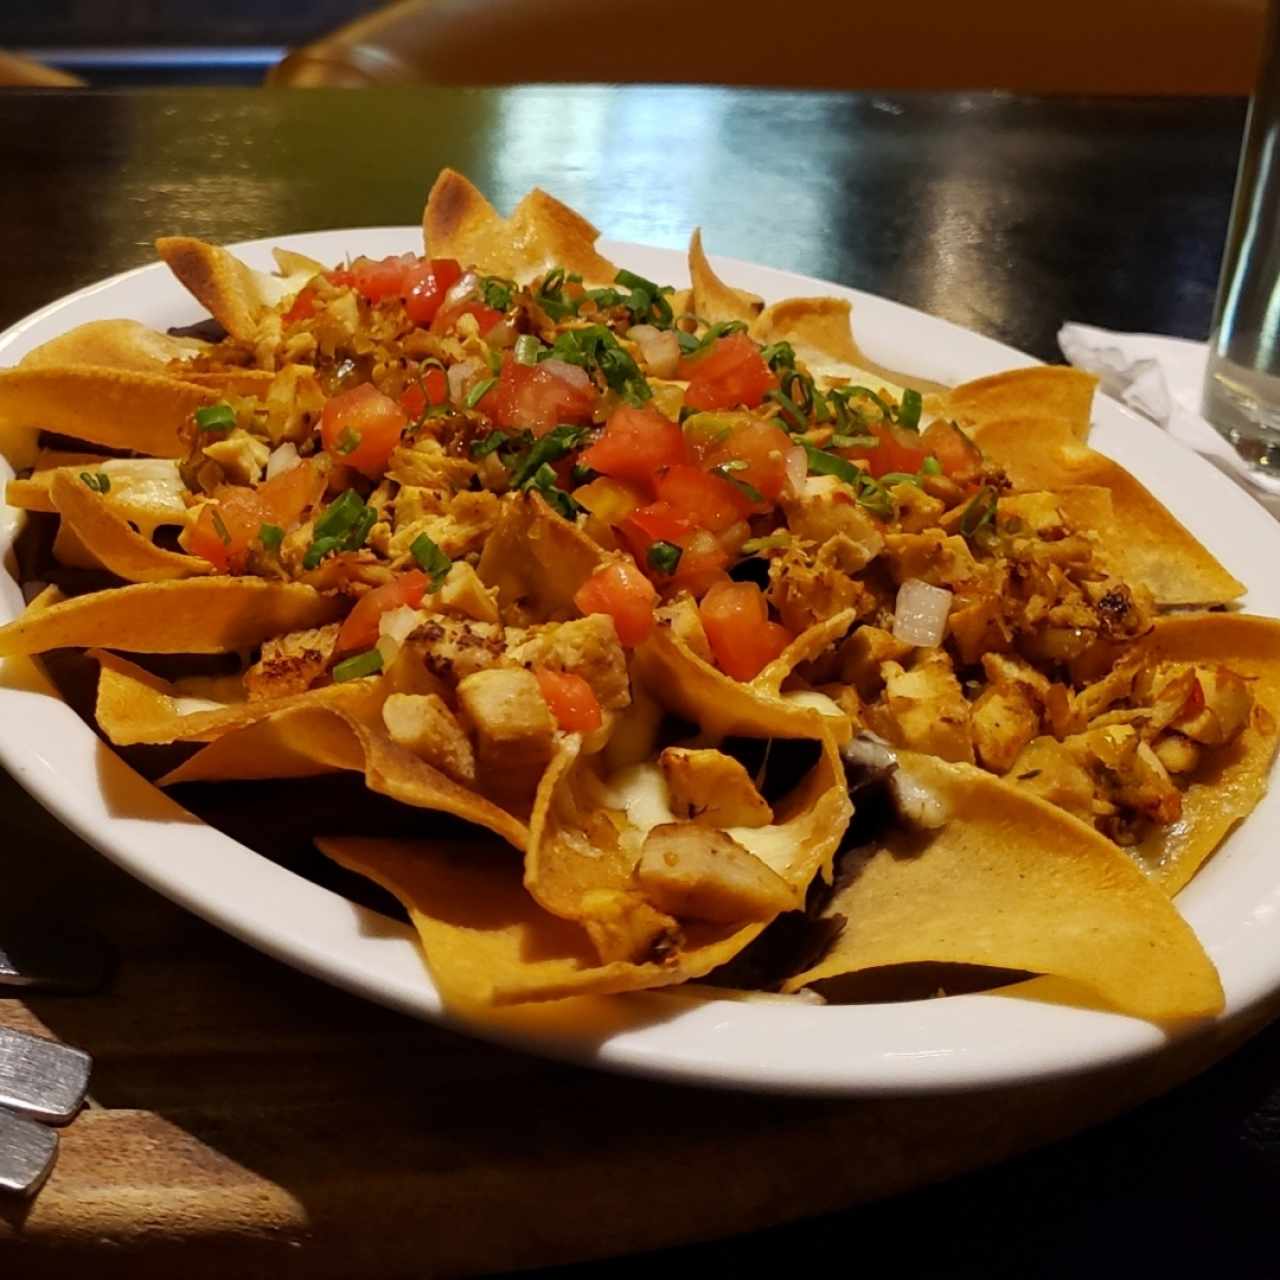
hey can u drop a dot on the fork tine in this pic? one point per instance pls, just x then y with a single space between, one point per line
27 1152
42 1078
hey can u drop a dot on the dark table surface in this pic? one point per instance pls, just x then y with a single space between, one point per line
1004 214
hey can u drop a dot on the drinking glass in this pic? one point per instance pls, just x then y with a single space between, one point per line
1242 380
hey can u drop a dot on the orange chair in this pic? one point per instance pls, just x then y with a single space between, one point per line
1026 46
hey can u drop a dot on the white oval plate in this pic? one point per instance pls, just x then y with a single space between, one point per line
933 1046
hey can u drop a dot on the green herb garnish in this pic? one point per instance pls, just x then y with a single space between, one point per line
546 449
931 467
900 477
431 560
479 391
909 409
526 349
550 296
595 347
348 441
368 663
271 536
822 463
725 471
496 292
979 513
544 481
490 444
779 356
220 527
216 417
98 481
663 556
338 517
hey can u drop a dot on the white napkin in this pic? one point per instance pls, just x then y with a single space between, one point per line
1161 379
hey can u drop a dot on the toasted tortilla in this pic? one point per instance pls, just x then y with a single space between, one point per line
1011 882
1146 544
192 615
458 222
147 492
114 344
1233 779
1050 391
713 300
113 542
115 408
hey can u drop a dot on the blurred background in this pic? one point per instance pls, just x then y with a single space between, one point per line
1091 46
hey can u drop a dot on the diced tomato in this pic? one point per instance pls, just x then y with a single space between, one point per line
539 396
732 374
625 594
227 528
763 447
898 450
382 278
961 459
705 499
431 387
342 277
572 700
703 561
424 285
736 620
657 522
360 629
303 308
448 316
361 427
636 445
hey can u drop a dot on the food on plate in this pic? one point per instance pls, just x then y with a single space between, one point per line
756 663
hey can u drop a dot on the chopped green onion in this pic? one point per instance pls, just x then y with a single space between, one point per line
779 356
526 349
368 663
775 541
794 417
885 410
931 466
348 441
909 409
479 391
220 527
360 530
900 477
646 298
216 417
822 463
549 296
549 448
98 481
874 496
496 292
490 444
582 474
854 442
725 471
431 560
544 481
980 511
688 343
336 519
664 556
271 536
317 551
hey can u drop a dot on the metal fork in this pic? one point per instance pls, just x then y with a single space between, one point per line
42 1082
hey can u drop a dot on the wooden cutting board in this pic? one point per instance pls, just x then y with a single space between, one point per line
248 1121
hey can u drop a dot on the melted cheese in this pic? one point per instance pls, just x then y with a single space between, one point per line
640 791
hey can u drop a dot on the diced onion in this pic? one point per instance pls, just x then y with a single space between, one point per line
573 374
920 613
797 463
461 290
459 375
660 349
869 751
501 336
283 458
394 628
916 803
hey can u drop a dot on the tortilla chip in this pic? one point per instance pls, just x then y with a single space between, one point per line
690 686
820 332
317 737
536 559
1013 883
231 291
113 344
486 942
136 707
1041 391
1233 779
458 222
236 382
713 300
587 832
112 541
192 615
116 408
1146 543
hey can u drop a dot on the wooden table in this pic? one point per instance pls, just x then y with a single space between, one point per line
247 1121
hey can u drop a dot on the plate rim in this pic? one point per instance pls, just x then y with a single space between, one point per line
933 1058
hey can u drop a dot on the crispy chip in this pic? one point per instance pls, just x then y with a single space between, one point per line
1146 544
1040 391
820 332
486 942
310 737
192 615
232 292
1013 883
537 559
112 541
113 344
116 408
692 687
1234 778
458 222
236 382
712 299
